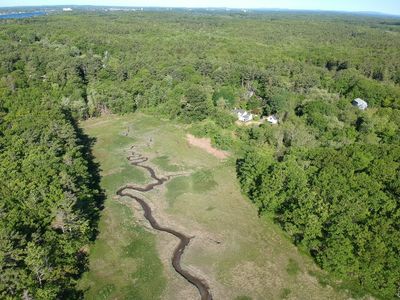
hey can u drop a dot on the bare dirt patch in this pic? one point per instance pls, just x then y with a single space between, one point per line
205 144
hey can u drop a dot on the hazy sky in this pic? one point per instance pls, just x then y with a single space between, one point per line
386 6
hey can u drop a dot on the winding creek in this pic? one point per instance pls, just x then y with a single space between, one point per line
138 160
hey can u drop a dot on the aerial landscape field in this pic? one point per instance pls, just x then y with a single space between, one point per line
230 243
199 151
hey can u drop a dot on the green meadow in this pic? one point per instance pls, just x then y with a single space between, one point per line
240 255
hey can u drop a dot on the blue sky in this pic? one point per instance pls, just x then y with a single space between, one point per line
385 6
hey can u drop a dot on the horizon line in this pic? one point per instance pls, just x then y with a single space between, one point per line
210 7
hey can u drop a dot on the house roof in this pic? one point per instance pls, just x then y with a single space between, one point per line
272 119
360 102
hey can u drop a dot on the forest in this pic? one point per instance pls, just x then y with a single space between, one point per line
328 173
50 199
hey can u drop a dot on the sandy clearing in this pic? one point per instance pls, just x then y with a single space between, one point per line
205 144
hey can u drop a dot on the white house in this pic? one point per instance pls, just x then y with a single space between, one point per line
272 119
67 9
243 115
360 103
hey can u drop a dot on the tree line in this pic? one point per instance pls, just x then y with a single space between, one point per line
50 198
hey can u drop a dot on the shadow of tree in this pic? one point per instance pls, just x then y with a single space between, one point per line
90 210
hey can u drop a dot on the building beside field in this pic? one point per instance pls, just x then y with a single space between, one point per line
360 103
272 119
243 115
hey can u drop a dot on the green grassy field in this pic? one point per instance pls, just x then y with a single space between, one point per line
124 257
240 255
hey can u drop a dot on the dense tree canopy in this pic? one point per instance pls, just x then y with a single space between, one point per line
341 204
49 199
119 62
